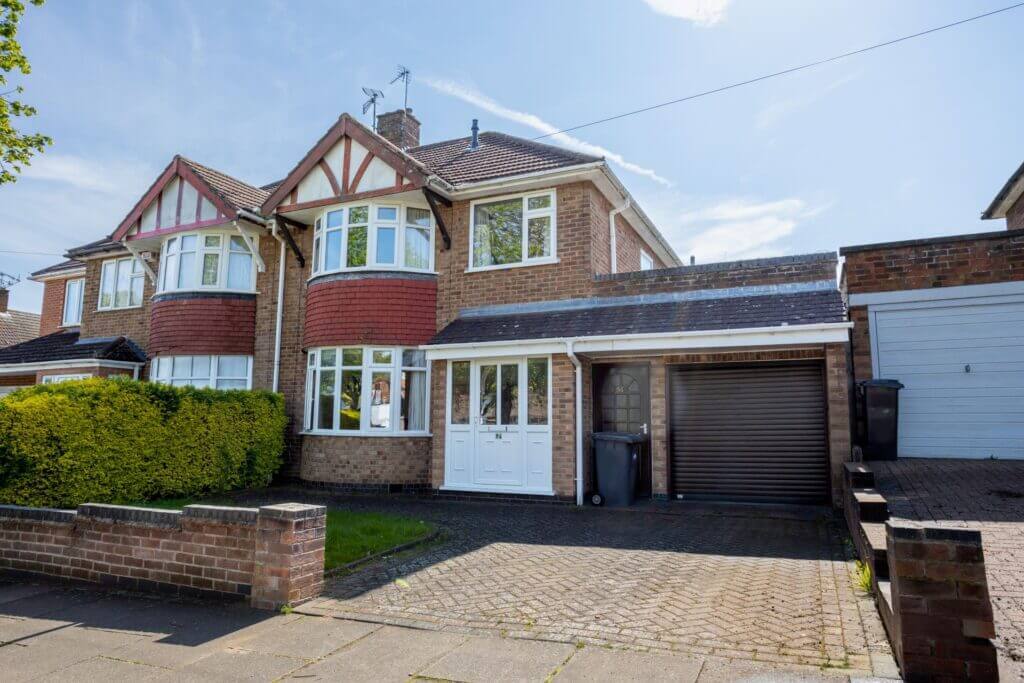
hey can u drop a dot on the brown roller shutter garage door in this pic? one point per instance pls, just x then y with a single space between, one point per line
749 432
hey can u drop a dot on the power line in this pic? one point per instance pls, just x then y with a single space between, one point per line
30 253
784 71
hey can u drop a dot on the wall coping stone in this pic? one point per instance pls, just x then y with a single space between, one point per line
292 511
131 515
373 275
186 296
931 241
820 257
221 513
905 531
38 514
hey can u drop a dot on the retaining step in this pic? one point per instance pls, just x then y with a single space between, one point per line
859 475
884 595
874 536
871 505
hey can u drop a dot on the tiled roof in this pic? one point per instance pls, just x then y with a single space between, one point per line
238 194
498 155
95 247
17 327
770 310
67 346
57 268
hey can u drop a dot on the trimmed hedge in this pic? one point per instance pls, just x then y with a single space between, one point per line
122 441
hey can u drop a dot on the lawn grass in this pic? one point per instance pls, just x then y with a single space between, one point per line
351 535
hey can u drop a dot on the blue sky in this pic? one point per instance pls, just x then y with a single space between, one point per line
908 141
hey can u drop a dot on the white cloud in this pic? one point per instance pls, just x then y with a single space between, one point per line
470 96
700 12
86 174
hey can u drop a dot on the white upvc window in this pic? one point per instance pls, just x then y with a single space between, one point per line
206 260
216 372
73 303
519 230
367 391
373 236
646 262
57 379
121 284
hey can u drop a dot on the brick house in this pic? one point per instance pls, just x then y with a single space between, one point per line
945 316
461 316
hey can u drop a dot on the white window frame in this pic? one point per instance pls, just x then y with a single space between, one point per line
367 370
551 211
401 224
114 264
75 309
162 372
57 379
224 252
646 261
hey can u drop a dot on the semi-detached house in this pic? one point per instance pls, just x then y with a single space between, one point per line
461 316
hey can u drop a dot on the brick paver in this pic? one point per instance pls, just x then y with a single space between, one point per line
743 584
980 494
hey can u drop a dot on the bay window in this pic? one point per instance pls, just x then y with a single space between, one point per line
206 260
513 231
356 390
73 303
121 282
371 235
216 372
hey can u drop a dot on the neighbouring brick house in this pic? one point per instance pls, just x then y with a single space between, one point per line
461 316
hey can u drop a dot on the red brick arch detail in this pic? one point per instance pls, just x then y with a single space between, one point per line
203 324
371 310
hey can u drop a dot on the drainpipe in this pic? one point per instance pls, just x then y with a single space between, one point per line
611 233
280 305
579 417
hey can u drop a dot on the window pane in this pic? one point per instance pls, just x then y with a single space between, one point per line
239 271
460 393
380 401
510 394
414 401
233 366
385 245
239 244
537 391
542 202
352 357
387 213
325 409
171 272
186 271
420 217
182 366
188 243
332 254
540 236
212 241
356 256
417 248
231 384
107 285
498 233
200 366
136 296
328 358
123 285
358 215
414 358
351 391
211 264
316 254
334 219
382 358
489 394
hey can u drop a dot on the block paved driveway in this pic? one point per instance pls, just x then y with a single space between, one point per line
746 583
980 494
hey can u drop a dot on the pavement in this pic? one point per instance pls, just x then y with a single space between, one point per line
58 633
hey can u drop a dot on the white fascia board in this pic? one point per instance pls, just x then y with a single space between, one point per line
59 275
22 368
937 293
823 333
644 226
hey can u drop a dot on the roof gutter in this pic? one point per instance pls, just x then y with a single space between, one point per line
612 234
668 254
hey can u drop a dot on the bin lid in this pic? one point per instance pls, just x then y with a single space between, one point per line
886 383
625 437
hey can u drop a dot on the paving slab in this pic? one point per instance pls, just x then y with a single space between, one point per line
494 660
388 654
106 670
305 637
236 665
600 664
732 671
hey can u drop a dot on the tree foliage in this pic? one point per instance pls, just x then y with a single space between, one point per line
16 148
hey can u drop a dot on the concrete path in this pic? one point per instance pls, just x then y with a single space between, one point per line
52 633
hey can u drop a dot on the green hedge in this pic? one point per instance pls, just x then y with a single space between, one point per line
122 441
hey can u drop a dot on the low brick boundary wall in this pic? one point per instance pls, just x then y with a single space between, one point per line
272 555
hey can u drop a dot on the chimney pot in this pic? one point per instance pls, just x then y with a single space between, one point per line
693 259
400 128
474 142
5 295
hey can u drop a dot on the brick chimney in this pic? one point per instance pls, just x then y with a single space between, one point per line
4 296
400 128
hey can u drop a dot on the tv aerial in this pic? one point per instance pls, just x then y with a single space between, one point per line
405 76
371 103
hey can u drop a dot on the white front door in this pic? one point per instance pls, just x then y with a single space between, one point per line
498 434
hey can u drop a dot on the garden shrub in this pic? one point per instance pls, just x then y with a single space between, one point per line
122 441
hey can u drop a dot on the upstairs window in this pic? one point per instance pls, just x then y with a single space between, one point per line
365 236
646 262
121 282
73 303
513 231
206 261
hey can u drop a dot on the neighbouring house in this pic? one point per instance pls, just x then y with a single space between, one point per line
945 316
15 327
461 316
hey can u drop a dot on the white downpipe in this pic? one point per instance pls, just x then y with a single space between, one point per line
579 418
611 233
279 323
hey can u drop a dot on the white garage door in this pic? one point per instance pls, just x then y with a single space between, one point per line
962 363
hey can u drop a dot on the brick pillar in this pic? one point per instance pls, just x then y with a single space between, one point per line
837 388
659 430
289 557
941 603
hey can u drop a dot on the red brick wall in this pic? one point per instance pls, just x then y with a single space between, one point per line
367 461
17 380
128 322
53 306
1015 216
370 310
627 242
206 323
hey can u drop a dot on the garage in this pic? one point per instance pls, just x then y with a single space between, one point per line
748 432
961 362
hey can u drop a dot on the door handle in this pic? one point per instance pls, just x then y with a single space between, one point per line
643 428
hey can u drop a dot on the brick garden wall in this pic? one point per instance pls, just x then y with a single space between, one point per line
274 555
